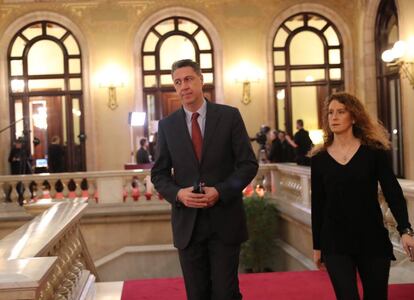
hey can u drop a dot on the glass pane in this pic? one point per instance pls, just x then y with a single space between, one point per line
187 26
393 35
18 47
16 67
75 84
280 38
74 66
17 85
208 78
295 22
64 122
175 48
331 36
33 31
150 81
71 45
55 30
202 41
39 122
42 84
206 61
335 56
18 115
166 80
280 104
280 76
314 49
151 107
316 22
335 74
149 62
307 75
150 42
45 57
76 115
279 58
305 106
166 26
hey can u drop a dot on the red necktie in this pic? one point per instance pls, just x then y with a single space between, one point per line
196 135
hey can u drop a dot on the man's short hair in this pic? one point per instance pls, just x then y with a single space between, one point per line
142 142
300 122
185 63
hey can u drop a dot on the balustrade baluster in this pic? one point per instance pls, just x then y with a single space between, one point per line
52 189
91 190
78 190
65 191
142 189
2 192
127 190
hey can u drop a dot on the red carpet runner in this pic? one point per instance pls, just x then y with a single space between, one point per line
309 285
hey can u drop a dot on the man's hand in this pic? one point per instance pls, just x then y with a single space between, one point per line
190 199
211 196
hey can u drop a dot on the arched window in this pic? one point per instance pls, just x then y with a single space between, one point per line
45 90
167 41
388 82
308 66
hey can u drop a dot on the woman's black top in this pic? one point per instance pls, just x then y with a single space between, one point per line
346 215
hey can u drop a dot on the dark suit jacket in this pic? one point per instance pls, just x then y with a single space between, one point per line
228 163
142 156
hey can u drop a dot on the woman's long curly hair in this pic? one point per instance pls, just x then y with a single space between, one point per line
369 132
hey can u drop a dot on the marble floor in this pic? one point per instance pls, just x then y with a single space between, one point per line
109 290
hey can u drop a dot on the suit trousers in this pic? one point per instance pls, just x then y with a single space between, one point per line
373 272
209 266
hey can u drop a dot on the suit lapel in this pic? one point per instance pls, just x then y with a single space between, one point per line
212 117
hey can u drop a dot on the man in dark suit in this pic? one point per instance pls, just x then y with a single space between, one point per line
302 144
142 153
206 145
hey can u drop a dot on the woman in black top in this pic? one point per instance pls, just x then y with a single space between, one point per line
347 223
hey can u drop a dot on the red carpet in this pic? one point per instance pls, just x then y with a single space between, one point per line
309 285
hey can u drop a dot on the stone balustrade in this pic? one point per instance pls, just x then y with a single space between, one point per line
102 187
289 185
47 258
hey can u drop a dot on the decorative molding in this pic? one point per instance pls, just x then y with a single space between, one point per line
79 8
5 10
138 5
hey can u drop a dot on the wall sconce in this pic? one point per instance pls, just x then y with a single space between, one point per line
246 73
112 77
400 55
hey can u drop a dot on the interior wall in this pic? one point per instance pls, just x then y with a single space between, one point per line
110 28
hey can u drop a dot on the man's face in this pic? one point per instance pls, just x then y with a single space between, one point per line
188 85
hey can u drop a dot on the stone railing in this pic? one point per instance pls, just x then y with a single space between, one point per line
99 187
47 258
289 185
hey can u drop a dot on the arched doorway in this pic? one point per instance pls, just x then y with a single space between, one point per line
388 82
303 78
45 92
167 41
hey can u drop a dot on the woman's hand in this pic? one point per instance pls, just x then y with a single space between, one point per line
407 242
317 260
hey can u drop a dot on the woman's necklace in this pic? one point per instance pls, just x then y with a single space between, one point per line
344 156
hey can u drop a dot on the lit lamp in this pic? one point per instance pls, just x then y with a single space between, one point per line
401 56
246 73
111 78
135 119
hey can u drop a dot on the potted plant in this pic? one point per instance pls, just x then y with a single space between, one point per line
257 253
